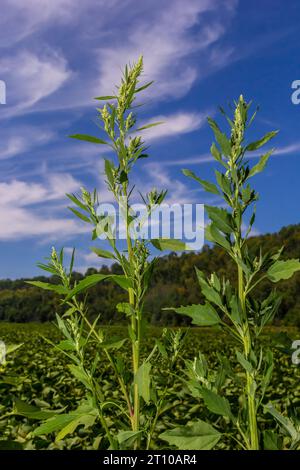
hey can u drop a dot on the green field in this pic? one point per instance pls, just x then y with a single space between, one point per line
37 374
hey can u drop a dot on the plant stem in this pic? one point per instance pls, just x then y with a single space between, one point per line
250 391
135 324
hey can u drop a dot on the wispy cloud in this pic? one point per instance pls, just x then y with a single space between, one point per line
165 36
175 124
26 209
43 74
21 139
37 77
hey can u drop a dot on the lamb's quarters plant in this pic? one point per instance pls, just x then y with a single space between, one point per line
235 308
131 422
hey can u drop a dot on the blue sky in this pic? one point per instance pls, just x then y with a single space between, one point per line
56 56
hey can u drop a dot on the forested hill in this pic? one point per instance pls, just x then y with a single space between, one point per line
174 284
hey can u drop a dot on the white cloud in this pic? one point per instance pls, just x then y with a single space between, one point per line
24 211
165 37
20 139
175 124
23 18
169 34
31 78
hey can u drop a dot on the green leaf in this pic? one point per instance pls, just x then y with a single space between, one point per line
47 286
196 435
86 419
88 138
32 412
216 153
80 215
212 234
221 138
209 187
221 218
259 143
108 166
153 124
285 422
215 403
283 269
113 344
169 244
142 379
93 279
201 314
125 307
10 348
210 293
244 362
143 87
105 98
76 201
223 182
67 423
80 374
102 253
54 424
261 164
271 440
128 437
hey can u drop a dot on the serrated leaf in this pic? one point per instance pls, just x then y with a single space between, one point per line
197 435
209 187
76 201
221 138
201 314
102 253
216 403
283 269
125 307
128 437
221 218
93 279
80 215
47 286
216 153
212 234
285 422
86 419
261 164
259 143
32 412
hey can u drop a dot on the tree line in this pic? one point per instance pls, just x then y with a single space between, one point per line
174 283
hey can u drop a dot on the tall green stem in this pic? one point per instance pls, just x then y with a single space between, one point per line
250 383
135 324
